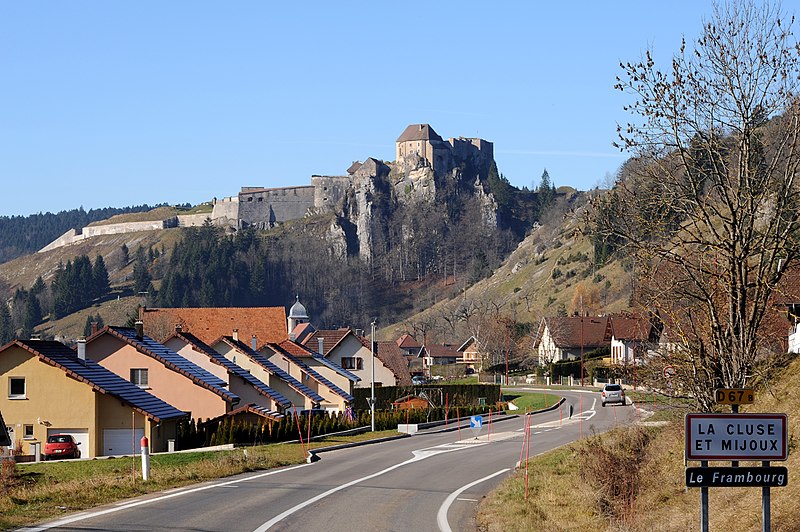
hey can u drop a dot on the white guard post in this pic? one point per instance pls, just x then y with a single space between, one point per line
145 459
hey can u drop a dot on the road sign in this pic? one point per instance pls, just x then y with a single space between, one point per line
669 372
736 477
736 437
734 396
475 422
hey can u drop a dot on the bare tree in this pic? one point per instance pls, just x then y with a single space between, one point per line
709 204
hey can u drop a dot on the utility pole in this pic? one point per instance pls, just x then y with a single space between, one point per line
372 383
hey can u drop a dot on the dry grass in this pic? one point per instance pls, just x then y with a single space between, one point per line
31 493
560 499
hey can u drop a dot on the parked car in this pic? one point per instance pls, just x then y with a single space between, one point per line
61 446
612 393
530 378
417 380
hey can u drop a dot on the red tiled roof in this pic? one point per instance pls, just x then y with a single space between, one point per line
392 357
408 342
330 339
268 324
788 290
441 351
419 132
574 331
628 328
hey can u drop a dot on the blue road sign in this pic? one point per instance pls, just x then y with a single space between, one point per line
475 422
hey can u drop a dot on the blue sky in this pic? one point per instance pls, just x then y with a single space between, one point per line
117 104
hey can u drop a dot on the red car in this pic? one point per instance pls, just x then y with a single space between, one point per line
61 446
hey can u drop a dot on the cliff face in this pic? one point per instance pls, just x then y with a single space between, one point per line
378 195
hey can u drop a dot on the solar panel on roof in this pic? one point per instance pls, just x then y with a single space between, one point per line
319 378
173 359
104 379
237 370
275 370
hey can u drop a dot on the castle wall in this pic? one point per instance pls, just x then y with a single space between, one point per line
226 211
330 191
193 220
264 206
129 227
70 237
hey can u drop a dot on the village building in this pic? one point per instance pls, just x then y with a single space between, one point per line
52 389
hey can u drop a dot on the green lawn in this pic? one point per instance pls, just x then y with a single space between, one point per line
528 402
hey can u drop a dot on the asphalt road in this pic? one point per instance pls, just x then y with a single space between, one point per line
428 482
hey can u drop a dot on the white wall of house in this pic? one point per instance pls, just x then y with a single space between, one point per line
794 339
350 352
548 350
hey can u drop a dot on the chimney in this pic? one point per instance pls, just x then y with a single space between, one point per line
178 328
254 343
236 335
82 348
139 329
321 343
292 337
94 327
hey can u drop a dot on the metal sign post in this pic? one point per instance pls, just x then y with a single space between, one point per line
735 437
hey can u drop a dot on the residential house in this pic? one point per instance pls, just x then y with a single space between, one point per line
346 349
252 391
410 349
569 337
297 361
268 324
248 357
51 389
630 338
471 356
161 371
437 355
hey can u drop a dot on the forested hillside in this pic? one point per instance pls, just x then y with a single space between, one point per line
21 235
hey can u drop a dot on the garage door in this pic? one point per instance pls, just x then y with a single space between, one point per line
122 441
79 435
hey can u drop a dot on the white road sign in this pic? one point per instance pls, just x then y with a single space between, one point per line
736 437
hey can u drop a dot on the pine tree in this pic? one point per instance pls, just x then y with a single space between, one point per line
141 276
100 283
6 326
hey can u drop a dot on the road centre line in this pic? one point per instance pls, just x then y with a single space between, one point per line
441 515
140 502
418 455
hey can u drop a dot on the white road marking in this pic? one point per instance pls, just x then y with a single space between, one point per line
132 504
418 455
465 499
441 515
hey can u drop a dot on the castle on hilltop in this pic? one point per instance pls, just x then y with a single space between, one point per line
421 156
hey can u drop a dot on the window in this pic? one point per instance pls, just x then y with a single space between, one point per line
139 377
27 432
16 387
352 363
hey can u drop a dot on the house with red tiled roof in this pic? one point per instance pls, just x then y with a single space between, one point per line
268 324
787 298
566 337
252 391
437 355
160 371
630 338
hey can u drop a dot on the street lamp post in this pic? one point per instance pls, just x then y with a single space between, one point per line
372 380
581 350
